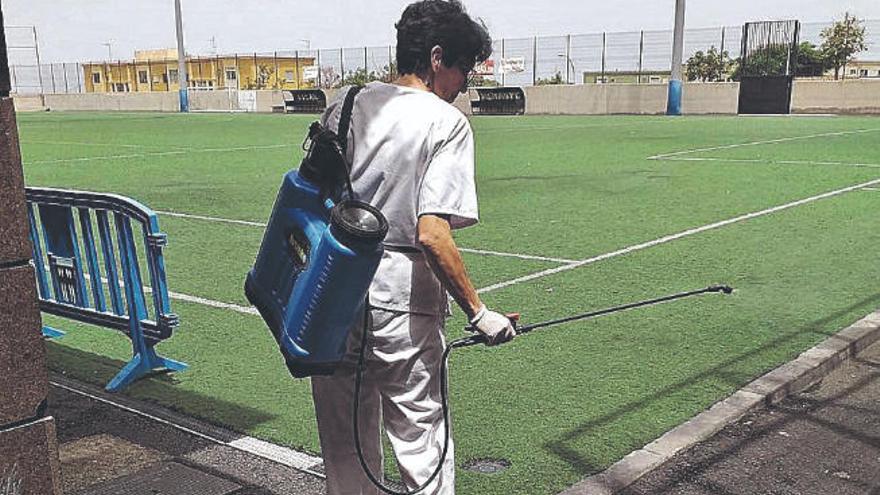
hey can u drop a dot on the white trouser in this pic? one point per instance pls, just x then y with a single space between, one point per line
401 391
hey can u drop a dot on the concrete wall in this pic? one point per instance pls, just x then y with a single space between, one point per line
101 102
266 99
853 97
213 100
596 99
709 98
28 103
858 96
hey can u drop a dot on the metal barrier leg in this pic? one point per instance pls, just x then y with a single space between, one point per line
144 362
52 333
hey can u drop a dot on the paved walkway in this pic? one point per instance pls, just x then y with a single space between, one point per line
823 441
106 450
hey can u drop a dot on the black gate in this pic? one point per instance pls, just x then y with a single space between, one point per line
768 61
765 94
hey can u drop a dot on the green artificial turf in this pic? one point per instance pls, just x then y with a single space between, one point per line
560 403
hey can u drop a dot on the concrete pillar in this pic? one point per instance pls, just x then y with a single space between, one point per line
28 447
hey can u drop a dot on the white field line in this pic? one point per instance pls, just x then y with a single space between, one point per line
679 235
465 250
662 156
248 310
251 445
210 219
873 189
662 120
768 161
159 153
80 143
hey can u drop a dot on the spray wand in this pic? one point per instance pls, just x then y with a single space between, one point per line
481 339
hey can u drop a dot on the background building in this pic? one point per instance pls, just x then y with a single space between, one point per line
156 70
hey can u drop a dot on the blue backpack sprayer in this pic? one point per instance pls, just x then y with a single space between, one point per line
319 254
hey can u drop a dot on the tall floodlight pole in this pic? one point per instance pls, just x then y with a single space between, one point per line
673 101
181 60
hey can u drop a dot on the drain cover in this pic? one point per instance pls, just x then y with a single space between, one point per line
487 466
168 478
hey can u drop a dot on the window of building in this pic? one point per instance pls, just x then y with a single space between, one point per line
863 73
654 79
96 77
172 76
852 72
142 77
288 76
231 75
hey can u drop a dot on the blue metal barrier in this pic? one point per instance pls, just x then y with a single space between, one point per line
80 290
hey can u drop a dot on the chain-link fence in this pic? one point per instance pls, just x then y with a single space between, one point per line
638 56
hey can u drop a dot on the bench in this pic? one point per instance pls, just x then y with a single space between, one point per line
304 100
72 284
499 101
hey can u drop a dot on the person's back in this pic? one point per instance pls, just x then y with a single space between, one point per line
398 143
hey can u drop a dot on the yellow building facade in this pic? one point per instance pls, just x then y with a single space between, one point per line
157 70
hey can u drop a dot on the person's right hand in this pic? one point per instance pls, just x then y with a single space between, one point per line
495 326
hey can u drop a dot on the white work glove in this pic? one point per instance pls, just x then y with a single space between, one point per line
495 326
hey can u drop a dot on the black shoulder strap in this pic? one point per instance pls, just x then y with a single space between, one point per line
345 118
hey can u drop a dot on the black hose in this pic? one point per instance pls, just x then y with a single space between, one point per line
357 392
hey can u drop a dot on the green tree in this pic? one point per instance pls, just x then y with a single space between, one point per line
771 61
708 67
842 41
810 61
264 72
484 82
555 79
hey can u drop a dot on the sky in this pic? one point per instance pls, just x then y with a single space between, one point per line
80 30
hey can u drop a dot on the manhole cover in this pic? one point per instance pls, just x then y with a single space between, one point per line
487 466
168 478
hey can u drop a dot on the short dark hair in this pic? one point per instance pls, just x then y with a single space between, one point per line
429 23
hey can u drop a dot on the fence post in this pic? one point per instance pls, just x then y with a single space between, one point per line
366 70
390 65
567 57
237 74
603 57
52 75
256 72
534 60
296 76
64 71
39 67
722 52
502 62
275 59
320 83
341 67
641 53
13 87
150 75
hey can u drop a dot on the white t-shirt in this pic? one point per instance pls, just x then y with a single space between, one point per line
411 154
